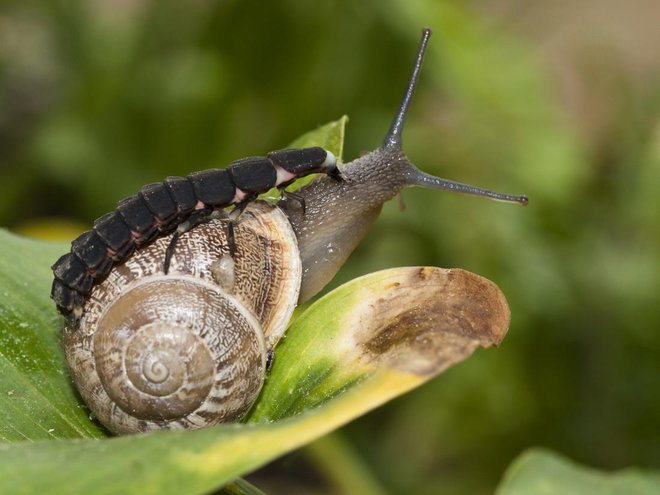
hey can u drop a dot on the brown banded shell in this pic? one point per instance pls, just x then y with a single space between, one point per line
187 349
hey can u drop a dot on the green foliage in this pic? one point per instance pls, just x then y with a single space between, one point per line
312 389
541 472
36 401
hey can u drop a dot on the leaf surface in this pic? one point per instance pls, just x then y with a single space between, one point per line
541 472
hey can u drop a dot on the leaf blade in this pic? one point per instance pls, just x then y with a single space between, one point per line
201 460
36 399
539 471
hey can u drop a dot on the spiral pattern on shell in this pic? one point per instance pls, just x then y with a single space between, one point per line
173 348
187 349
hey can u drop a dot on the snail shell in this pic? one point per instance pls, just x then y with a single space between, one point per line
187 349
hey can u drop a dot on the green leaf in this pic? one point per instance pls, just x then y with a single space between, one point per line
340 464
392 329
36 399
541 472
354 349
240 487
329 136
329 371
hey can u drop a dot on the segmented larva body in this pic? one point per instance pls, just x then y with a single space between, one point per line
160 208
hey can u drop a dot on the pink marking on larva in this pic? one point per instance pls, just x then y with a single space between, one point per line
238 196
200 205
283 175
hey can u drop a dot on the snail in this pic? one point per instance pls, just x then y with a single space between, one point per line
173 325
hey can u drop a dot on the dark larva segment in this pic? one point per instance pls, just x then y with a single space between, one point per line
71 272
300 162
182 193
92 251
253 175
158 200
116 235
67 299
137 215
213 187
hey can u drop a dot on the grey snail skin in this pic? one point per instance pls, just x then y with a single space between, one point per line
173 307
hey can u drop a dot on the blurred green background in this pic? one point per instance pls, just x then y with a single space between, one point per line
558 100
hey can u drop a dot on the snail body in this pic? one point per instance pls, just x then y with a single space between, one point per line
151 347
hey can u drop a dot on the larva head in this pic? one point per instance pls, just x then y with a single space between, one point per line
304 161
338 214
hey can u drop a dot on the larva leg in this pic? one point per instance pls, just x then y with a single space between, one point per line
170 251
233 217
198 216
293 196
231 240
240 207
